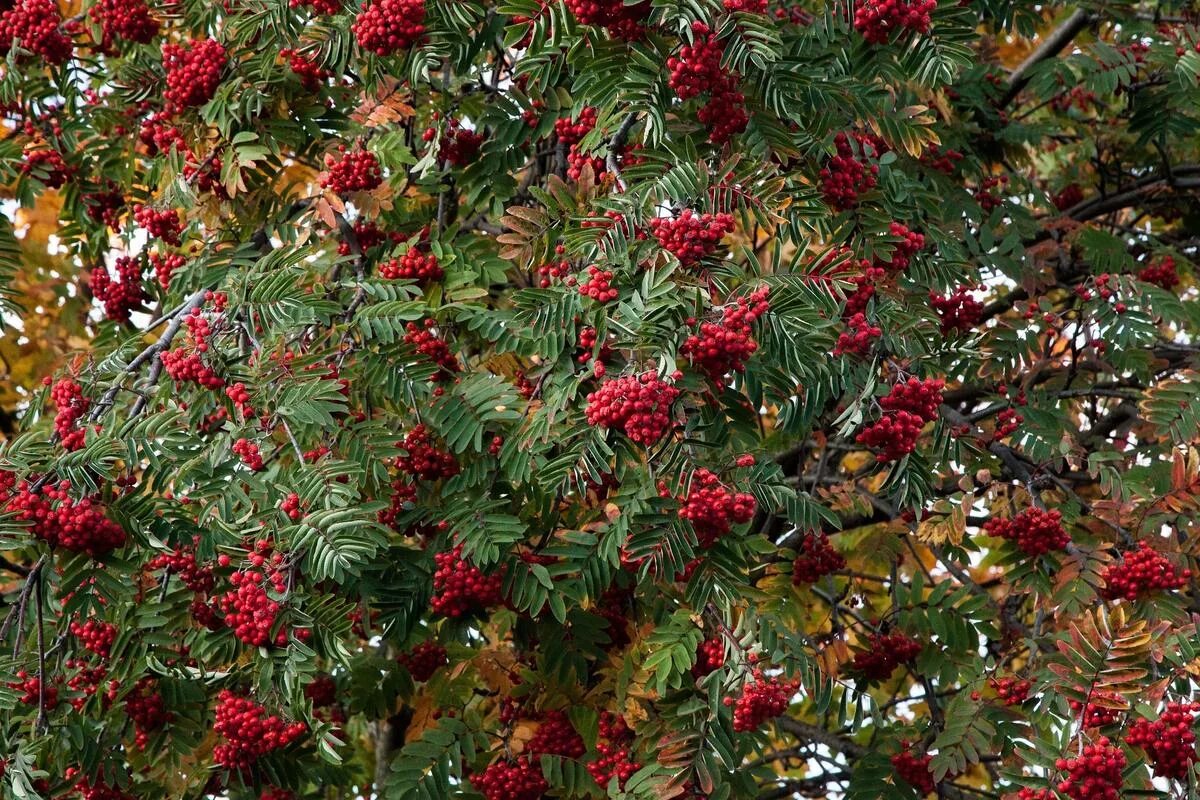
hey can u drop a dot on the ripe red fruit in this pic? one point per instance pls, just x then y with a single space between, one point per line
95 635
72 406
193 72
164 266
1095 774
877 20
914 769
623 21
907 409
1161 273
858 337
710 656
46 164
250 611
248 452
885 652
1011 690
423 660
615 758
386 26
160 223
511 780
691 236
147 709
638 405
414 266
124 19
713 508
248 733
1141 572
424 460
1169 741
958 311
61 521
425 340
122 296
37 26
817 558
555 736
460 587
721 348
761 699
351 171
1035 531
850 173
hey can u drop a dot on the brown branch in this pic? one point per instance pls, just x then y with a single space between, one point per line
1051 45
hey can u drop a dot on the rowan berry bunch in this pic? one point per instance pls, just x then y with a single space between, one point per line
761 699
239 395
61 521
816 559
621 20
1095 774
97 789
95 635
87 682
249 454
941 160
460 588
713 508
185 364
248 732
599 286
351 171
1011 690
425 340
746 6
123 295
858 338
124 19
1069 196
147 709
587 346
907 409
1103 708
164 266
1007 423
710 657
71 407
1161 273
885 652
367 235
423 660
571 132
32 691
913 769
159 223
250 612
413 266
1034 531
182 562
1169 741
908 245
637 405
311 74
851 173
323 7
555 736
1141 572
878 20
615 760
424 460
105 207
990 192
725 113
292 507
457 145
958 311
46 164
385 27
193 72
691 236
37 26
721 348
697 68
511 780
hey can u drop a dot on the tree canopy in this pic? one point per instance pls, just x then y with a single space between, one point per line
599 398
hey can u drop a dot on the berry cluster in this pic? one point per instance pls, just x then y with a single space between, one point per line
367 235
164 266
1095 774
97 789
123 295
622 20
71 406
310 73
424 460
57 519
598 286
95 635
240 396
908 244
460 587
124 19
425 340
816 559
412 266
248 452
913 769
1071 195
958 311
1035 531
713 509
321 691
145 706
691 236
616 760
858 337
697 70
46 164
587 346
1161 273
1007 423
939 160
885 652
105 207
185 364
907 409
351 171
386 26
161 224
710 656
457 146
424 660
1011 690
38 26
193 72
1104 708
325 7
1142 572
248 732
877 20
725 112
292 507
761 699
570 132
638 405
250 611
182 562
555 736
990 192
1169 740
851 173
721 348
511 780
32 690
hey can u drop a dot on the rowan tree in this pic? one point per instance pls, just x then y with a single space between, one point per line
599 398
